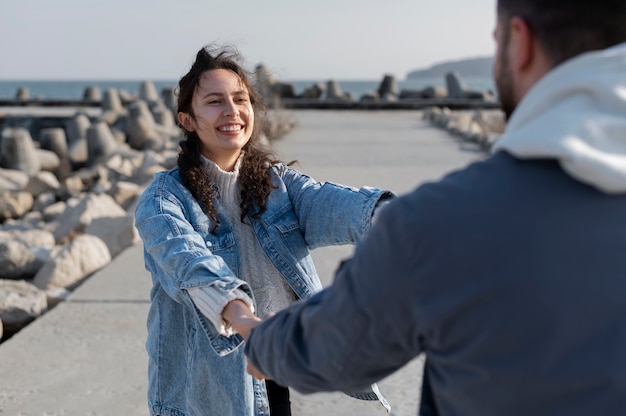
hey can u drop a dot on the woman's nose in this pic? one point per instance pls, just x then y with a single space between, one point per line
231 109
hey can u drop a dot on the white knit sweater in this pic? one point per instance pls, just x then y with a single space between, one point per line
270 290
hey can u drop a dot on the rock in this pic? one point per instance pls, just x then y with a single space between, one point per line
55 140
12 180
70 187
48 160
434 92
22 94
168 95
314 91
30 237
42 182
148 92
118 233
140 130
75 219
388 89
20 303
92 93
100 143
284 89
14 204
17 151
53 211
112 101
79 258
76 128
112 108
122 167
44 200
457 88
17 261
125 193
163 116
369 96
333 90
264 80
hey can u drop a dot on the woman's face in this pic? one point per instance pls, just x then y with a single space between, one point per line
223 116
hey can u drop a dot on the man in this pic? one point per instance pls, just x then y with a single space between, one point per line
510 275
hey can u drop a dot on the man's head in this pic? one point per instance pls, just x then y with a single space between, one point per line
534 36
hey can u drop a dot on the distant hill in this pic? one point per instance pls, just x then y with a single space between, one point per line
472 67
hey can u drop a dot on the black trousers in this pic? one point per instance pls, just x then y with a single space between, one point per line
278 397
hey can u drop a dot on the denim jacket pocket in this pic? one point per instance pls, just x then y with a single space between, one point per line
222 345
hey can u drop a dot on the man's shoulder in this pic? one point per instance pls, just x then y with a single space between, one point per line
480 177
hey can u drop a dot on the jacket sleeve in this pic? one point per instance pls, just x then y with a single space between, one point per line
175 253
330 213
355 332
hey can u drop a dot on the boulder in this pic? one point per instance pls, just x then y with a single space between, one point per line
92 93
14 204
100 143
148 92
17 261
18 151
55 140
74 262
42 182
75 218
12 180
388 88
118 233
20 303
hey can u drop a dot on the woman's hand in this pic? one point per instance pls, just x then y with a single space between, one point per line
240 317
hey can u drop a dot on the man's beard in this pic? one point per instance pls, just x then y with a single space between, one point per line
504 81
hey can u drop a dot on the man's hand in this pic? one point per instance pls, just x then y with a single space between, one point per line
254 372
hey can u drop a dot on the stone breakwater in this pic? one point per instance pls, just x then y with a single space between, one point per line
480 127
455 94
68 189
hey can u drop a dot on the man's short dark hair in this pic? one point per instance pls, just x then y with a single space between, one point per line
569 28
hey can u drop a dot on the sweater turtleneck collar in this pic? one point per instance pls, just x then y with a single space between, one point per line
227 182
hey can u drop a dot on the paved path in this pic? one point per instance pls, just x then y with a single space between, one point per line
86 357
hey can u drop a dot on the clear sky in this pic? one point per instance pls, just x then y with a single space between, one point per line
295 39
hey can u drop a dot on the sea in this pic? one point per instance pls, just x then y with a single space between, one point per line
74 89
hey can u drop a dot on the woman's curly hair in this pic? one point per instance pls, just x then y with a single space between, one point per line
254 172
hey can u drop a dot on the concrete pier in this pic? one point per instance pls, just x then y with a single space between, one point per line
87 355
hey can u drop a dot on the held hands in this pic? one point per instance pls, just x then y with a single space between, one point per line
252 370
242 319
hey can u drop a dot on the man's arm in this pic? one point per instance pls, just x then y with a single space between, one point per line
355 332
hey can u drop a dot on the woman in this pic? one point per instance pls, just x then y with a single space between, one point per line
227 235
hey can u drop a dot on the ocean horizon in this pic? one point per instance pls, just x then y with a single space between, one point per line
74 89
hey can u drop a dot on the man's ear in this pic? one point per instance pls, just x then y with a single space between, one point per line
184 120
522 45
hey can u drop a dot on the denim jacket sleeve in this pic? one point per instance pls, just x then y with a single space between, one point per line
329 213
176 252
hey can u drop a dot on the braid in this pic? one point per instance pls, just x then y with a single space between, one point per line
256 183
195 178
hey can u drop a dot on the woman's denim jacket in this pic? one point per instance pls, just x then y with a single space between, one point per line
192 369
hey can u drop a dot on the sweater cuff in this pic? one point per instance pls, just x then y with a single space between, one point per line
384 200
211 302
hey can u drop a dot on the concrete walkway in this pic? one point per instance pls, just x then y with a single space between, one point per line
86 357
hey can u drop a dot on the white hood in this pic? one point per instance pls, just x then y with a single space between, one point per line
577 114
